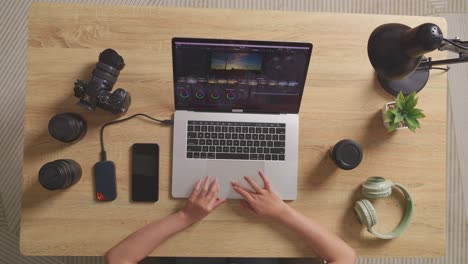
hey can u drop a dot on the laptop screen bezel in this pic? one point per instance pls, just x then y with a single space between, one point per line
240 42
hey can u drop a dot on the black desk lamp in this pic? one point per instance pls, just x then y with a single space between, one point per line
396 53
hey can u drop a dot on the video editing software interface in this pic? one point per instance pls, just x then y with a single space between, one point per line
252 77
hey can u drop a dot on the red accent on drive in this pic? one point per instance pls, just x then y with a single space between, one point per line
100 196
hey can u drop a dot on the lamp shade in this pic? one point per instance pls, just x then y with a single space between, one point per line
395 51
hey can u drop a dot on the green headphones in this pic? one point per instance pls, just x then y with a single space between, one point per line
378 187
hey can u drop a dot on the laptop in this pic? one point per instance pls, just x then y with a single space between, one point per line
237 104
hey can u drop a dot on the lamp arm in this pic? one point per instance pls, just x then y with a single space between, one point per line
453 45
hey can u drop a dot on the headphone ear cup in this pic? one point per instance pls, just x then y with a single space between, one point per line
373 195
365 213
376 187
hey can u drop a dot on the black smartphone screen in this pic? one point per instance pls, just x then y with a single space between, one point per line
145 172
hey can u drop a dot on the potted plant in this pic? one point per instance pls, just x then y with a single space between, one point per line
401 113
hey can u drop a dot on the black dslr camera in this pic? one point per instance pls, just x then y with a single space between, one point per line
97 91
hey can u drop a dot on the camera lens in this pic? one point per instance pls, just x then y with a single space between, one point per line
67 127
59 174
112 58
108 69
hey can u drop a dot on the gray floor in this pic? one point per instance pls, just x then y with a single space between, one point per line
13 43
458 78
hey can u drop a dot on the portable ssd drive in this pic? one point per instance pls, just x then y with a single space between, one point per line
104 179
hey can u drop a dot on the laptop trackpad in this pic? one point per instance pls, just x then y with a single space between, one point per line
227 171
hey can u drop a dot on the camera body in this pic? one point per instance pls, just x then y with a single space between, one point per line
92 95
97 91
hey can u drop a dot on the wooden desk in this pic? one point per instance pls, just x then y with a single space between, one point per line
341 100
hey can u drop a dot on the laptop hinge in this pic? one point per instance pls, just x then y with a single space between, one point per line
237 110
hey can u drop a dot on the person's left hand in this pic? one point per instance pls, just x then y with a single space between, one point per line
203 201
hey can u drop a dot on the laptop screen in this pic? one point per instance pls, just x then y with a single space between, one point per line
236 75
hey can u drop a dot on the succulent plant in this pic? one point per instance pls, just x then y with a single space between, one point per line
404 113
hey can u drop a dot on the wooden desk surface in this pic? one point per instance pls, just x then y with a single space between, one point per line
342 99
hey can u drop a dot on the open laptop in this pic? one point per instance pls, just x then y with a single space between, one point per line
237 105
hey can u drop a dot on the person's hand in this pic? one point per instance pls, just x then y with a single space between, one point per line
203 200
264 201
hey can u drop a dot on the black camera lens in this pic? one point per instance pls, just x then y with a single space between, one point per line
59 174
347 154
112 58
67 127
107 69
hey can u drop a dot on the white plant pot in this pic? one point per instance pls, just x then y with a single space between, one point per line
384 109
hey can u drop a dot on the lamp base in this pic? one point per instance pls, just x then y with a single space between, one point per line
412 83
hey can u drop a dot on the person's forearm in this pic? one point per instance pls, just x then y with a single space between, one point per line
326 244
141 243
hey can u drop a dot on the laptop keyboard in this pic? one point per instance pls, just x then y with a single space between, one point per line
236 140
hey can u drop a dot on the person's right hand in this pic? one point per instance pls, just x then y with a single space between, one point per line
203 200
264 201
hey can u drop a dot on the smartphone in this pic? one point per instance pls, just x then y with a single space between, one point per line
145 172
